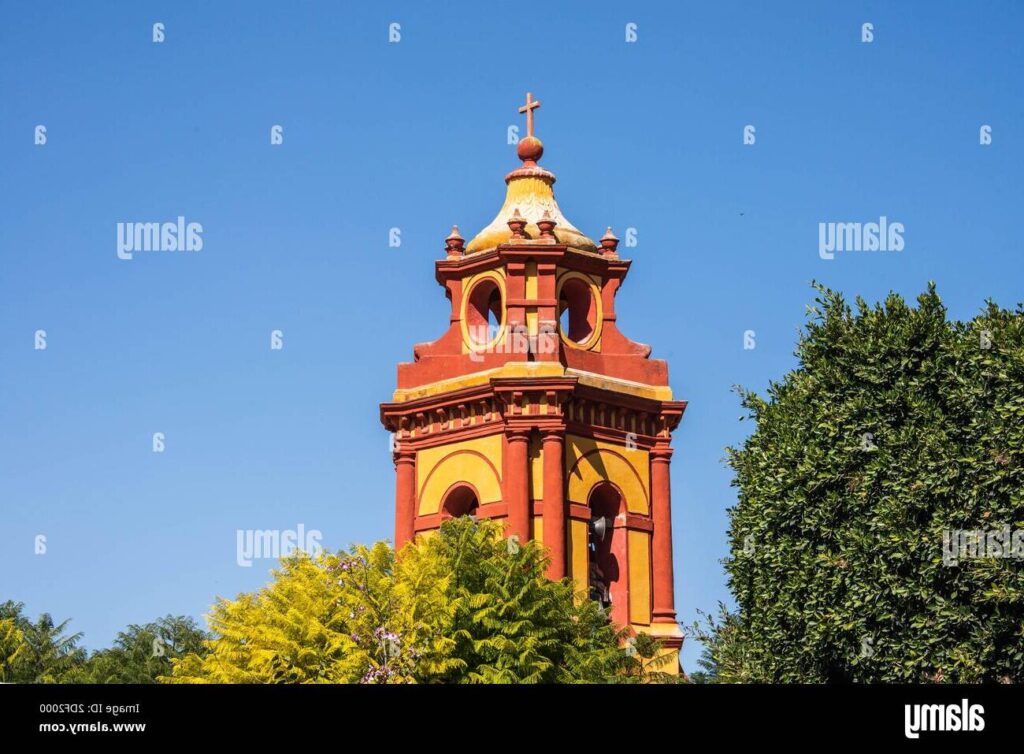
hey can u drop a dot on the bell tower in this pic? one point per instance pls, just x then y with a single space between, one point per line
534 408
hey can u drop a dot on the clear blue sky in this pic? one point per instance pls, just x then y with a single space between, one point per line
413 135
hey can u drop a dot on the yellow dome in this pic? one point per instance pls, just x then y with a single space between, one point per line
529 191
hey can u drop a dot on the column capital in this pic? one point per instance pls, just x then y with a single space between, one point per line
517 434
403 455
549 434
661 454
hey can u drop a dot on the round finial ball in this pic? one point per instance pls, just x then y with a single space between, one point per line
530 149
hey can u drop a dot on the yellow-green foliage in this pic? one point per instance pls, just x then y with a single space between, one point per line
336 618
12 648
461 606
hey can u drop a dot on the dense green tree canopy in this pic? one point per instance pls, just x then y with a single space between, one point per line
897 429
43 651
141 654
36 652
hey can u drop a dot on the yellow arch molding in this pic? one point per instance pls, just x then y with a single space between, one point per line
591 462
475 462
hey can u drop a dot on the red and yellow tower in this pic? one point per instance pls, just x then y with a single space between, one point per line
534 408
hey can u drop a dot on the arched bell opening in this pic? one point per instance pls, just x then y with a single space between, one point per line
607 576
484 312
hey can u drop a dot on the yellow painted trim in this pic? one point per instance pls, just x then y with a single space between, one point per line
662 630
579 569
532 323
639 544
531 280
511 369
616 385
534 369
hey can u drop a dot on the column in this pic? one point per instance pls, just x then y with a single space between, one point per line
517 475
405 497
661 515
554 501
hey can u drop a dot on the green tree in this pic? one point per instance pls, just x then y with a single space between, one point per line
510 623
897 429
143 653
723 657
647 663
37 652
461 606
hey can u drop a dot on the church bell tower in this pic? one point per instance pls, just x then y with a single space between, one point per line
534 408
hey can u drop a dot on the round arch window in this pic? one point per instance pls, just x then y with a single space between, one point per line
461 501
577 310
484 312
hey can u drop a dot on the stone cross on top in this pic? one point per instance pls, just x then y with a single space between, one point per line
528 108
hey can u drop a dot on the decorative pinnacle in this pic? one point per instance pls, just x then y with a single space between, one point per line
547 226
516 224
609 243
455 243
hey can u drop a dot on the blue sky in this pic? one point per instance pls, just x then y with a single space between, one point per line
412 135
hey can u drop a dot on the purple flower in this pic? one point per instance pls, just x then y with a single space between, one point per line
378 675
